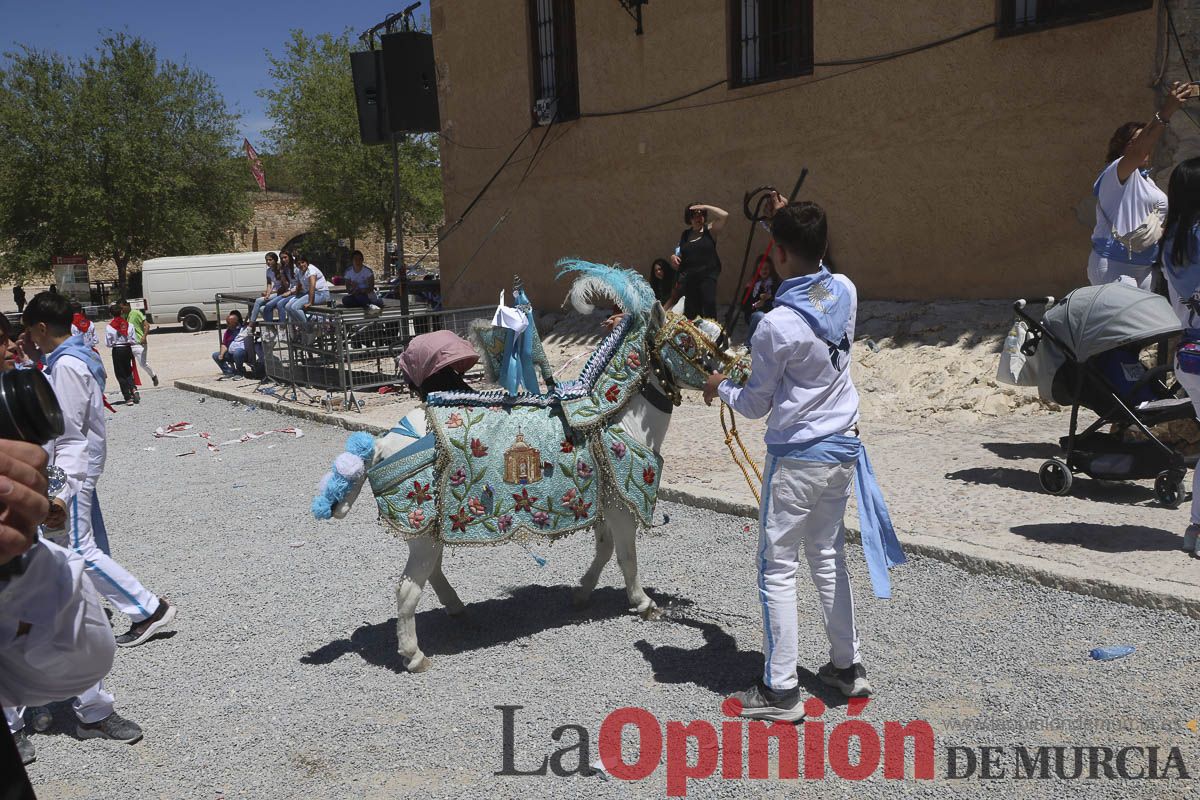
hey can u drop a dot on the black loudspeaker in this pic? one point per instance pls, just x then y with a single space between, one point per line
411 81
369 96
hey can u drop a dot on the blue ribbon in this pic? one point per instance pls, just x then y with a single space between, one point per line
516 363
880 545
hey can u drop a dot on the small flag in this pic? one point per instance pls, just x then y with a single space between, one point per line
255 164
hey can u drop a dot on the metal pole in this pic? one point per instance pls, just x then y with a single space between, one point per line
399 234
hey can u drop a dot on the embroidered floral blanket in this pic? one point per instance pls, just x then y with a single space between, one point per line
533 477
510 472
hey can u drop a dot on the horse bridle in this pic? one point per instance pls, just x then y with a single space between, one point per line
669 396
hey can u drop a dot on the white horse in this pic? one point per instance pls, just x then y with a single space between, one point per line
645 419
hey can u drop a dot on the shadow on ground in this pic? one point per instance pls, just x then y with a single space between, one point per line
525 611
719 666
1026 480
1103 538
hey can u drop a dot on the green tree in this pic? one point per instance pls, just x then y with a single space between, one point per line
346 184
119 156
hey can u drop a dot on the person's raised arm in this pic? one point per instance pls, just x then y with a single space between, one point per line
1142 145
716 217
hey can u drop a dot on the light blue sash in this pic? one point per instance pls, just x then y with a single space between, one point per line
516 363
880 545
76 346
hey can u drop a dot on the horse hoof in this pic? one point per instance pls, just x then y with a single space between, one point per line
651 613
421 666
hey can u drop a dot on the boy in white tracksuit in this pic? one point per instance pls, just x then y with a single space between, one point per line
801 376
77 376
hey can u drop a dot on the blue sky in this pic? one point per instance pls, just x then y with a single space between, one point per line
224 38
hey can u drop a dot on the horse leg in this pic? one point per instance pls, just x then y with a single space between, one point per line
604 551
442 588
423 556
624 532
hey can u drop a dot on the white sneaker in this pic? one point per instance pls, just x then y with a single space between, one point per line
373 310
1190 537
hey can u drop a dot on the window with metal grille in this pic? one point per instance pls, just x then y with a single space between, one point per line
555 70
770 40
1019 16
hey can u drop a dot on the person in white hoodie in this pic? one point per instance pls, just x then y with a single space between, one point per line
800 375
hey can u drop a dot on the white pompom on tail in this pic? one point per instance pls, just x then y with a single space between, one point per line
349 466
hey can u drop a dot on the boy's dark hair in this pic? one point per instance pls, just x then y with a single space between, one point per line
51 308
358 253
238 314
801 229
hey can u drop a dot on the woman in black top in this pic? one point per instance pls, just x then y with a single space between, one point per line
697 261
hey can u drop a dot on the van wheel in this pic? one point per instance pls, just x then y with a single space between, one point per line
192 322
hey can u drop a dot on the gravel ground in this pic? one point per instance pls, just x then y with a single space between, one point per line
282 678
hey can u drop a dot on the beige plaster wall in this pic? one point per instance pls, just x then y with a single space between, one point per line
955 172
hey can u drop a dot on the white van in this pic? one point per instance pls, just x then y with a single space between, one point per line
183 288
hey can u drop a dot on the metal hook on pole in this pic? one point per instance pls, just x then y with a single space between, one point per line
755 214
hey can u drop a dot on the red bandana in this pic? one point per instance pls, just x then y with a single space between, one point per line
82 323
121 326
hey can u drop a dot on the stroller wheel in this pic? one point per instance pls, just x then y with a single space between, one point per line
1055 477
1169 489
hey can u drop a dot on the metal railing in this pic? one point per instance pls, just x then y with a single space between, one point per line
343 351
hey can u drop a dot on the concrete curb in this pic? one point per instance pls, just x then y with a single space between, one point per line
972 558
977 559
310 414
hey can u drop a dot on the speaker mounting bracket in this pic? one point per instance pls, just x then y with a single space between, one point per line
634 9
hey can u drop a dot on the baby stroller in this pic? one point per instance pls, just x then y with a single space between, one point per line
1085 351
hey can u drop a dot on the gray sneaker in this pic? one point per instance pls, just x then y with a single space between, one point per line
24 747
851 681
140 632
41 718
760 702
114 727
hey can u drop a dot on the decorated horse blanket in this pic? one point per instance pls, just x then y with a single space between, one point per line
483 476
525 466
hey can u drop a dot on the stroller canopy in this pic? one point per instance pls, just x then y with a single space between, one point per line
1094 319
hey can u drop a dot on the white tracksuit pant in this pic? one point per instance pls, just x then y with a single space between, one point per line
139 353
803 505
91 706
111 580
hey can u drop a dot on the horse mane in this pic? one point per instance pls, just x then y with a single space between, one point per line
626 288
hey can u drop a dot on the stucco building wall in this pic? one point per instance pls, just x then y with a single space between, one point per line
954 172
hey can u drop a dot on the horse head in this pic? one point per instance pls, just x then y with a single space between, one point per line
689 351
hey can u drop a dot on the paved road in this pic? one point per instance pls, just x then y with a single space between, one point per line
282 679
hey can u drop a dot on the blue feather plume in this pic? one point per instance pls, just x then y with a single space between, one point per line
625 287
